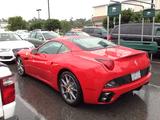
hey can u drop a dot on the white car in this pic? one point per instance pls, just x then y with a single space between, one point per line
7 93
10 44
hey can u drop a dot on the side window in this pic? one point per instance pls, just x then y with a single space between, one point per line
39 36
158 32
147 30
33 35
88 30
63 49
97 31
50 48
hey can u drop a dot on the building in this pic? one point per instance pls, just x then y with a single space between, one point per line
100 11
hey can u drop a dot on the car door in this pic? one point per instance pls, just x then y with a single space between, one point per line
42 61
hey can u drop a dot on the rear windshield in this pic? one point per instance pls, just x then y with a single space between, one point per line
50 35
92 43
9 37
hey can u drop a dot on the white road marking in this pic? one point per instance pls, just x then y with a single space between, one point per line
28 106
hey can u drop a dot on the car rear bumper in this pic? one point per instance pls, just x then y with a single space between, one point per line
94 95
9 110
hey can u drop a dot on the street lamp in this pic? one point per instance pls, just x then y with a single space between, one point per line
48 10
38 10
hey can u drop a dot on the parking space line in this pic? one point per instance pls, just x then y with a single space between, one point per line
28 106
156 86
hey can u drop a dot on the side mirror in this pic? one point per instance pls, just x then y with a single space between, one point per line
34 51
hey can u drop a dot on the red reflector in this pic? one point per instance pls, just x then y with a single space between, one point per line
7 90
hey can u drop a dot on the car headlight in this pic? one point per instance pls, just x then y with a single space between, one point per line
4 49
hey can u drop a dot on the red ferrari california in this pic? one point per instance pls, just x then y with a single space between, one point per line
86 69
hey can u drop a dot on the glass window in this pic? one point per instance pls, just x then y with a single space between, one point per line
91 43
50 48
82 34
9 37
69 34
98 31
63 49
158 32
50 35
33 35
88 30
39 36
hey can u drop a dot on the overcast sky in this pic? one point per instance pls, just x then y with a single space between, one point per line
60 9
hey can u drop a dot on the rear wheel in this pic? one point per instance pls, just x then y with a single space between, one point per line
70 88
20 67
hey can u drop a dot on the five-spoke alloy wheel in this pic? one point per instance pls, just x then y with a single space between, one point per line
20 67
70 88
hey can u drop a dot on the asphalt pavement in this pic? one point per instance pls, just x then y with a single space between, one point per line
38 101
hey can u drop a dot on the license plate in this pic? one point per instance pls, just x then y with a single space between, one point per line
136 75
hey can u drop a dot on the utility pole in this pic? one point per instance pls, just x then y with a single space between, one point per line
48 9
152 1
38 10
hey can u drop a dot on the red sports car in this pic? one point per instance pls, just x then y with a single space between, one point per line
86 68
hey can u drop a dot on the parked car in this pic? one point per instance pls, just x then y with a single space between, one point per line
132 32
86 68
22 33
7 93
10 44
76 33
38 37
96 31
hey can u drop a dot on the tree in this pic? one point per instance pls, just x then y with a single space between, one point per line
158 17
52 24
111 25
79 23
16 23
127 16
36 24
65 26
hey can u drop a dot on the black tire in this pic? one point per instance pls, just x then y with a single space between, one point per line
70 88
20 67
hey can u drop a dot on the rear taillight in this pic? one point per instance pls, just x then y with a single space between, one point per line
109 64
7 90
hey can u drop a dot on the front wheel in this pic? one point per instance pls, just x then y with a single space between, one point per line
70 88
20 67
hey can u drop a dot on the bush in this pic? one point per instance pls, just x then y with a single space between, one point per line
52 24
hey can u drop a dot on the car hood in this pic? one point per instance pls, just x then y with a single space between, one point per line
15 44
112 53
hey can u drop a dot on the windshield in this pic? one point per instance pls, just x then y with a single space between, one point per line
9 37
82 34
92 43
50 35
103 30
